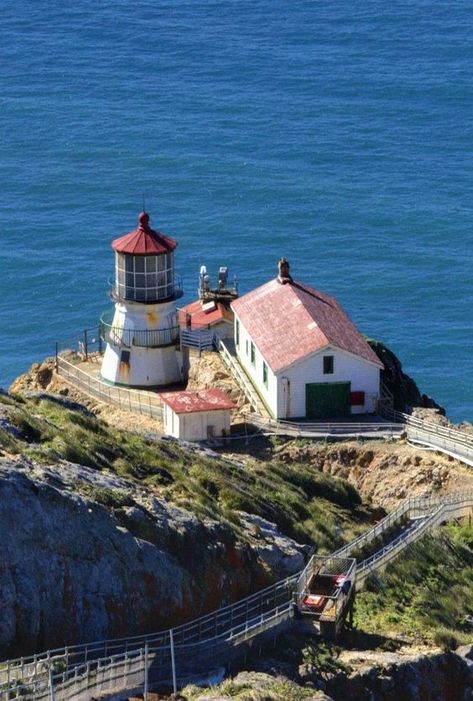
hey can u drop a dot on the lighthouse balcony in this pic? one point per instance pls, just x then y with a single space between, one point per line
142 338
147 289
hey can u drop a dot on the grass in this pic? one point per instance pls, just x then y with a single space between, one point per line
368 549
251 690
306 504
426 594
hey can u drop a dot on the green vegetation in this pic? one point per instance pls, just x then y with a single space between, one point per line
301 652
426 594
322 660
368 549
245 690
306 504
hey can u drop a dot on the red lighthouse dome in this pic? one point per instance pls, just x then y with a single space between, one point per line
144 241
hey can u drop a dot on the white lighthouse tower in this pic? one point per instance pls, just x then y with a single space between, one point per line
143 336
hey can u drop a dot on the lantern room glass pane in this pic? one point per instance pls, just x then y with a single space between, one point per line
150 264
140 281
145 278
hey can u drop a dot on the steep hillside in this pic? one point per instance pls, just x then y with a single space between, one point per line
407 622
108 533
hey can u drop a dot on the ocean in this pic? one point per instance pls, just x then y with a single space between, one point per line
338 134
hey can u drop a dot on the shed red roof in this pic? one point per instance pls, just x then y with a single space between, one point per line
190 401
144 241
200 318
289 322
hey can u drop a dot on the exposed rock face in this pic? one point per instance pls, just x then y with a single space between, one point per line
382 473
257 686
374 676
403 388
274 550
73 569
38 377
209 371
384 676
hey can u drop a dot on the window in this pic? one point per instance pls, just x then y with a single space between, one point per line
252 353
328 364
265 374
247 347
237 332
125 357
144 278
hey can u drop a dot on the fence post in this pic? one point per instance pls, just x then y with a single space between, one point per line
56 362
51 685
86 349
173 663
145 688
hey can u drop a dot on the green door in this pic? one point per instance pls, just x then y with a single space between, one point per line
325 400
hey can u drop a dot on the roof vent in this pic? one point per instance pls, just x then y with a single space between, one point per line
283 272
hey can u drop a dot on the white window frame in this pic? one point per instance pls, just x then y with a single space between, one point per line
144 278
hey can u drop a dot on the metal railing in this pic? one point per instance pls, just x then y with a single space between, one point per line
143 338
240 377
326 429
451 441
170 664
145 403
245 617
202 339
441 511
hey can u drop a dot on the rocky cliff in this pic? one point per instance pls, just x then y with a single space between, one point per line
403 388
357 676
86 555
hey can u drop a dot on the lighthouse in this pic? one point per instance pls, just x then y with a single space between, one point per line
143 335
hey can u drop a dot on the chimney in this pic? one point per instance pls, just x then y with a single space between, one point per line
283 272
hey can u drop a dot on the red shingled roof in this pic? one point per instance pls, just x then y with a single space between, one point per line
289 322
144 241
202 319
189 401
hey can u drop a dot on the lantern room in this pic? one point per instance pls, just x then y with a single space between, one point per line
144 265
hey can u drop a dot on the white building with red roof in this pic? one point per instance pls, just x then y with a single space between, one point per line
203 315
197 415
143 334
304 355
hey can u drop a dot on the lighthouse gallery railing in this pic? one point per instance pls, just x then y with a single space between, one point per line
143 338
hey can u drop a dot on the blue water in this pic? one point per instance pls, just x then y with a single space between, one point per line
336 133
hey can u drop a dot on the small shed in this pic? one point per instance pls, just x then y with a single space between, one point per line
197 415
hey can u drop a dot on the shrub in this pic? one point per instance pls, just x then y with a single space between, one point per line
114 498
446 639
